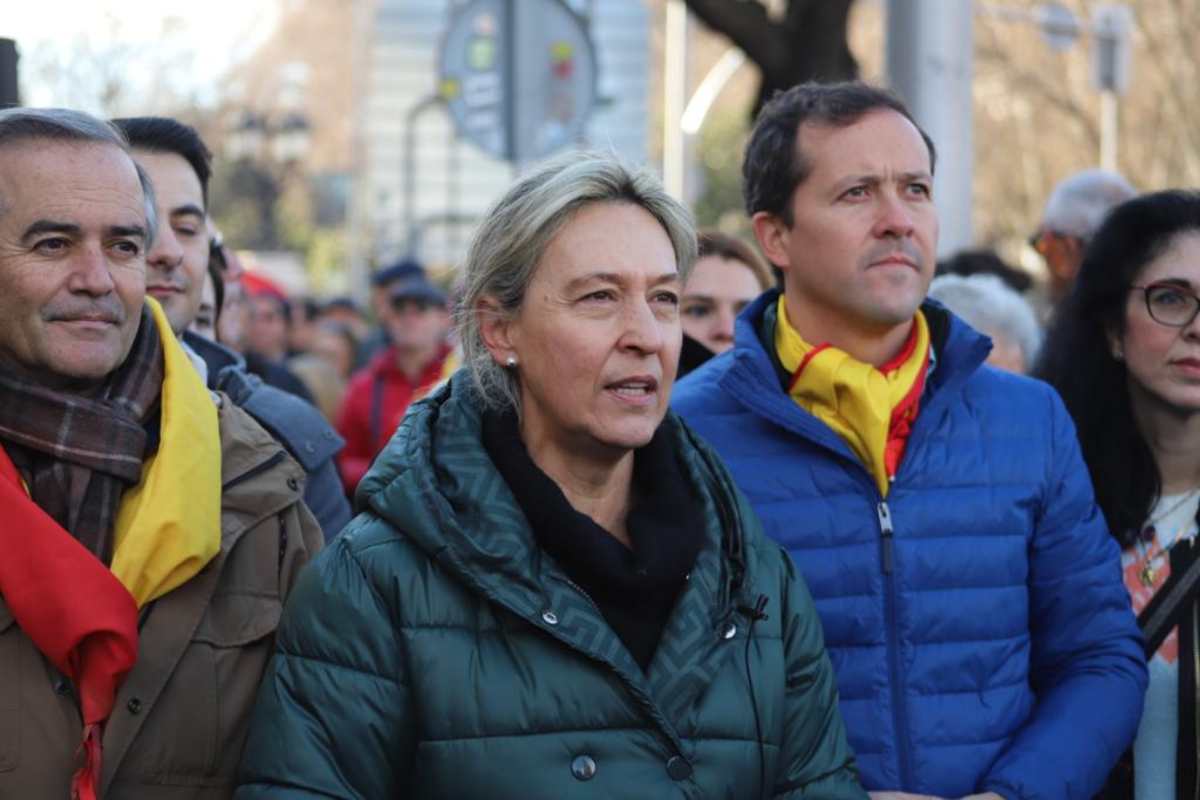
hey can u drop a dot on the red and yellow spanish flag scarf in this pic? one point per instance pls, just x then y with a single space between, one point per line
82 616
871 409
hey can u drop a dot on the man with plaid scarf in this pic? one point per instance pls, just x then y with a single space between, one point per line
149 529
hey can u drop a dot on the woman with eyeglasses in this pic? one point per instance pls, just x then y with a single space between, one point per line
1124 352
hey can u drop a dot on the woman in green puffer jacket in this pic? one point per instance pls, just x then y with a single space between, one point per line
554 589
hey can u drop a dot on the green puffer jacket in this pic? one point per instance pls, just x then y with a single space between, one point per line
433 651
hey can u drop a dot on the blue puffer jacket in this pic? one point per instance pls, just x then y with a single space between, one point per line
977 622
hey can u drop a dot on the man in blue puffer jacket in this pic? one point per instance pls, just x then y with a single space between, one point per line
938 509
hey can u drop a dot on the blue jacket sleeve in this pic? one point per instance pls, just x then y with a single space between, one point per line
330 719
1087 667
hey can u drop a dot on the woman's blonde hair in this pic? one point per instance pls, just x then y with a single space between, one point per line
509 244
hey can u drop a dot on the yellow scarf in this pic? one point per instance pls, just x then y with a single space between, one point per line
856 400
169 525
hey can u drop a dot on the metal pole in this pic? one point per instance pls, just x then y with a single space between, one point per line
674 95
930 62
361 239
508 103
1108 130
410 165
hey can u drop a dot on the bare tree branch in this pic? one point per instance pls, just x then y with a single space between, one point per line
808 44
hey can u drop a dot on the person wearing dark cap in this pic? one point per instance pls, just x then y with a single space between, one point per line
417 359
383 281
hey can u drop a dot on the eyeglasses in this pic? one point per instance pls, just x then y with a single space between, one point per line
1170 304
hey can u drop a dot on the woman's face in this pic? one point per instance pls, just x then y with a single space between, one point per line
335 349
205 322
1164 361
717 290
597 336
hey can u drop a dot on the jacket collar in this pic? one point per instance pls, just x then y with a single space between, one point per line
750 373
453 504
216 356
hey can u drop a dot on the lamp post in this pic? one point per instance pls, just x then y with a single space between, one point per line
265 149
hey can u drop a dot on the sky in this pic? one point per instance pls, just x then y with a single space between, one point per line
89 53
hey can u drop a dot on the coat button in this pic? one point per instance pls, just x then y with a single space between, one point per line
550 617
583 768
134 705
678 768
293 484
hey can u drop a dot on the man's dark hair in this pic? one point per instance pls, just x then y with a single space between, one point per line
985 262
166 135
774 166
1077 360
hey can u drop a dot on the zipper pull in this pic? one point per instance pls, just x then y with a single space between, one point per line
885 541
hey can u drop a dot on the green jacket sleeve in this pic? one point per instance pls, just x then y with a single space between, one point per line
816 760
330 719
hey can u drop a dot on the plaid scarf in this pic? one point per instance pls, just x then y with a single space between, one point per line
78 454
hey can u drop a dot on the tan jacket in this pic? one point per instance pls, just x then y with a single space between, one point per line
180 718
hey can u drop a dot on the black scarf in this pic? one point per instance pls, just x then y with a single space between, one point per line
78 454
636 589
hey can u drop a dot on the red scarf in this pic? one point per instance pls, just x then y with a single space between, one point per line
72 608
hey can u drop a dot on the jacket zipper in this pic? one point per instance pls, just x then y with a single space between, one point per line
887 533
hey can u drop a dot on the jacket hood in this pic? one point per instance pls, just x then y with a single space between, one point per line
217 356
436 483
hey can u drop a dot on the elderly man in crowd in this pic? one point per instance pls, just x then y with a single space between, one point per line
149 535
1073 212
939 509
992 307
177 163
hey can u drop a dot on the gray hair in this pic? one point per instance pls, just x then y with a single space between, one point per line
509 244
1080 202
19 125
987 303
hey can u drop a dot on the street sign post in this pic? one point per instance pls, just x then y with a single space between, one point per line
519 77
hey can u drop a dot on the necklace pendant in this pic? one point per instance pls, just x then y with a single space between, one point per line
1147 575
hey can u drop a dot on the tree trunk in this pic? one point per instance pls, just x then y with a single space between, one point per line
809 43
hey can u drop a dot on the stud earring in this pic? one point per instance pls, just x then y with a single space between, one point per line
511 363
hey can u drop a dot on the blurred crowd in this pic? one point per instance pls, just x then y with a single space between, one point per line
621 509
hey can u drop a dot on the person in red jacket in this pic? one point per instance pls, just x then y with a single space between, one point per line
418 359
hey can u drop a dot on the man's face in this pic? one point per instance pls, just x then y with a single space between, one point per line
233 326
72 261
268 327
178 259
1063 254
416 325
859 254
